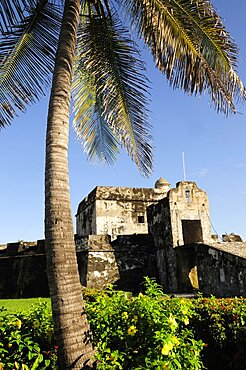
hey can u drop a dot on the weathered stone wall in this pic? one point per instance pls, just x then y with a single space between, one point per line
181 217
124 234
121 217
220 268
86 215
189 210
23 271
96 261
116 211
123 262
159 221
136 258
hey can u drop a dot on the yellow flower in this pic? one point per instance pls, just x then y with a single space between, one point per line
36 324
124 315
175 341
167 348
186 321
132 330
165 366
135 319
18 323
172 322
182 300
140 295
9 345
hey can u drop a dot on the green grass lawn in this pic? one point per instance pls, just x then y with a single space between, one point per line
15 305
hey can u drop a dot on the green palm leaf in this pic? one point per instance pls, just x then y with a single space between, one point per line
27 54
100 141
13 11
191 46
108 56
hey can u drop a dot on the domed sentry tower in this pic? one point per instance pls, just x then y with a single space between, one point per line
162 184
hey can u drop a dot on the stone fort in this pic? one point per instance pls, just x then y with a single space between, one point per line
124 234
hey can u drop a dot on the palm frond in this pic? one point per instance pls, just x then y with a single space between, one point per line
100 141
27 54
191 47
14 11
108 56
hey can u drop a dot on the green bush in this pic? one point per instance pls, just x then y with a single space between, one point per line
148 331
220 323
26 339
144 332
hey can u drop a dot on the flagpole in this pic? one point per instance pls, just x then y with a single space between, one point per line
183 161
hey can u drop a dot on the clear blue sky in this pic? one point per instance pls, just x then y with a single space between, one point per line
214 147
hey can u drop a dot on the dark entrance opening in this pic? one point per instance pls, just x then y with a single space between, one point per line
192 231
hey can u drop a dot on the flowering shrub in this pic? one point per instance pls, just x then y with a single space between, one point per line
221 324
144 332
149 331
26 340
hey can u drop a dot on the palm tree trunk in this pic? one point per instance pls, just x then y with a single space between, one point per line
71 328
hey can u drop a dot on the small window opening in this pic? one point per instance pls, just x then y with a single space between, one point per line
141 219
187 196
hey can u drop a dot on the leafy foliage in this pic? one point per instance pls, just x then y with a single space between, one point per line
191 46
110 101
27 339
187 39
148 331
220 323
11 12
27 54
144 332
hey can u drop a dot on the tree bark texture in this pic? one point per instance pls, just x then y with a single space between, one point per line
71 328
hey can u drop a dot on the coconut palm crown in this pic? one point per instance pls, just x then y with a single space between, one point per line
188 42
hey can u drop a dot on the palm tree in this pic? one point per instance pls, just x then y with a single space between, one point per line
89 46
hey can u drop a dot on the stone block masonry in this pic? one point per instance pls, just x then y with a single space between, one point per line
124 234
116 211
218 268
123 262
